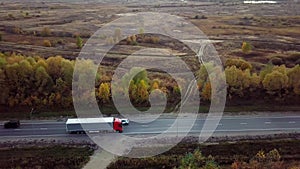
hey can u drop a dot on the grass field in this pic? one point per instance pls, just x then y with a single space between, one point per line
55 157
224 153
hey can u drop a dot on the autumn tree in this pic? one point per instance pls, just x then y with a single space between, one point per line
238 80
43 81
4 94
294 79
239 63
206 91
142 91
67 69
104 92
277 80
155 85
54 67
266 70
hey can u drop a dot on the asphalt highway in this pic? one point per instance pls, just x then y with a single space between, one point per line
226 126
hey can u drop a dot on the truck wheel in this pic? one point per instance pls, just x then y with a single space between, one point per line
120 131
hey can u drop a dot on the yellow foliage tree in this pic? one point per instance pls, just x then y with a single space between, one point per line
275 81
294 79
104 92
142 91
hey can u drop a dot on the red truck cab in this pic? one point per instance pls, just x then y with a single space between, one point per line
117 125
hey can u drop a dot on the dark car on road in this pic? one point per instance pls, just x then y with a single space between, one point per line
12 124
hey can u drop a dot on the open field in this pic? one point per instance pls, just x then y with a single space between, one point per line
45 157
272 29
224 154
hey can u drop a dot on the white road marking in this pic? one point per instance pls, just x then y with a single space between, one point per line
29 136
34 129
291 122
257 117
220 124
237 130
267 122
243 123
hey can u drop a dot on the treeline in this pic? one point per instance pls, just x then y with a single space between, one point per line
274 83
35 81
38 82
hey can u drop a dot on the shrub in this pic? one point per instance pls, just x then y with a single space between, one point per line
131 40
246 47
79 42
151 39
11 16
200 17
60 41
46 31
47 43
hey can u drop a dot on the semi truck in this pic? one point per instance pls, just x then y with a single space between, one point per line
103 124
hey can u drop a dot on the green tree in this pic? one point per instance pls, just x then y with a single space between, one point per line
79 42
2 62
211 165
188 162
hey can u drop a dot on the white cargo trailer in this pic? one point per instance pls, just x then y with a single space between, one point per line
104 124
